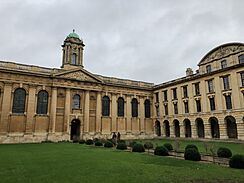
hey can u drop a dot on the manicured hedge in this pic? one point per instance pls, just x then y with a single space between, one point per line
98 143
168 146
237 161
89 142
108 144
138 148
191 146
121 146
161 151
82 141
192 154
224 152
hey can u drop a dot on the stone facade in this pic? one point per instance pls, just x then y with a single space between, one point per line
71 103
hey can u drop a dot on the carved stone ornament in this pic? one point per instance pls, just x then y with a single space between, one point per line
78 76
222 52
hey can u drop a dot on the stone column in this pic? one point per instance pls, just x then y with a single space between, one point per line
53 110
128 114
30 110
98 112
114 113
172 129
218 96
6 109
240 128
142 115
207 128
193 130
161 105
67 111
222 128
182 129
86 111
204 98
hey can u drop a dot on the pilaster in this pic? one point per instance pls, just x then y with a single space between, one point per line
114 112
67 111
98 112
53 110
128 114
30 109
86 111
142 115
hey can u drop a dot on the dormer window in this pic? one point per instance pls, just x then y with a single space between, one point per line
241 59
208 68
223 64
73 59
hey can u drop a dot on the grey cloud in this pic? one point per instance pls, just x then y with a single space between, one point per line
143 40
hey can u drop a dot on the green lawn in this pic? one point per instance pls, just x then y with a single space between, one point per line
67 162
236 148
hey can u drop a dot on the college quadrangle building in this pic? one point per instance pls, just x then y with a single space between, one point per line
38 104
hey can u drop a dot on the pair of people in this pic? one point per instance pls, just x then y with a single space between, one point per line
116 137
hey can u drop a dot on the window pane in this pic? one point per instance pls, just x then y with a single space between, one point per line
241 59
105 106
73 60
120 106
19 101
242 79
210 86
134 107
147 109
228 102
223 64
76 101
208 68
226 83
42 102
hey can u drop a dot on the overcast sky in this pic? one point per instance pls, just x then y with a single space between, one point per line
148 40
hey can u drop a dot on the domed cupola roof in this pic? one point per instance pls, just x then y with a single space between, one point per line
73 35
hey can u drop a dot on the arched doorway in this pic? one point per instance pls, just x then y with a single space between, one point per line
200 128
158 128
187 124
231 127
166 128
75 130
214 127
177 128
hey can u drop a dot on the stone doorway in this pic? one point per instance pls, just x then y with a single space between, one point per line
214 127
200 128
231 127
166 128
75 130
157 128
187 124
177 128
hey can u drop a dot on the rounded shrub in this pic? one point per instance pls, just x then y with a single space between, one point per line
161 151
237 161
138 148
168 146
82 141
98 143
224 152
192 154
108 144
89 142
121 146
190 146
132 143
148 145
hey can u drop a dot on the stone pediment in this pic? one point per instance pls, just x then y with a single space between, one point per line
81 75
222 51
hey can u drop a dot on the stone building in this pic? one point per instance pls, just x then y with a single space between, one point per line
38 104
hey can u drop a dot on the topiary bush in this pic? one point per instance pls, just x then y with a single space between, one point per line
98 143
168 146
237 161
82 141
121 146
189 146
161 151
192 154
148 145
138 148
224 152
89 142
108 144
132 143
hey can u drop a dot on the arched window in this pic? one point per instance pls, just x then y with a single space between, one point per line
42 102
120 107
73 59
19 101
147 108
105 106
76 101
134 107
